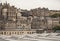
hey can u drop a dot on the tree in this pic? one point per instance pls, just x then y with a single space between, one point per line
55 15
56 28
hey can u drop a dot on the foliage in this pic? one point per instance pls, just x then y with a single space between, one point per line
56 28
55 15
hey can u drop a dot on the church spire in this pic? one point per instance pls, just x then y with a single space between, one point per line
6 2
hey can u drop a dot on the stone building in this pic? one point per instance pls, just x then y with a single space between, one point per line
12 21
13 18
39 20
10 16
40 12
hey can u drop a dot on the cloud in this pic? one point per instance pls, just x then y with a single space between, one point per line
29 4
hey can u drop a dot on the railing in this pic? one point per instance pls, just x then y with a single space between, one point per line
16 32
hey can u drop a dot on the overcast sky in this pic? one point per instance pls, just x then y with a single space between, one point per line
30 4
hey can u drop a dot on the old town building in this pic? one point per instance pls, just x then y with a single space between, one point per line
12 17
18 21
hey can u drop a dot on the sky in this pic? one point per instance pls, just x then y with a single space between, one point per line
31 4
